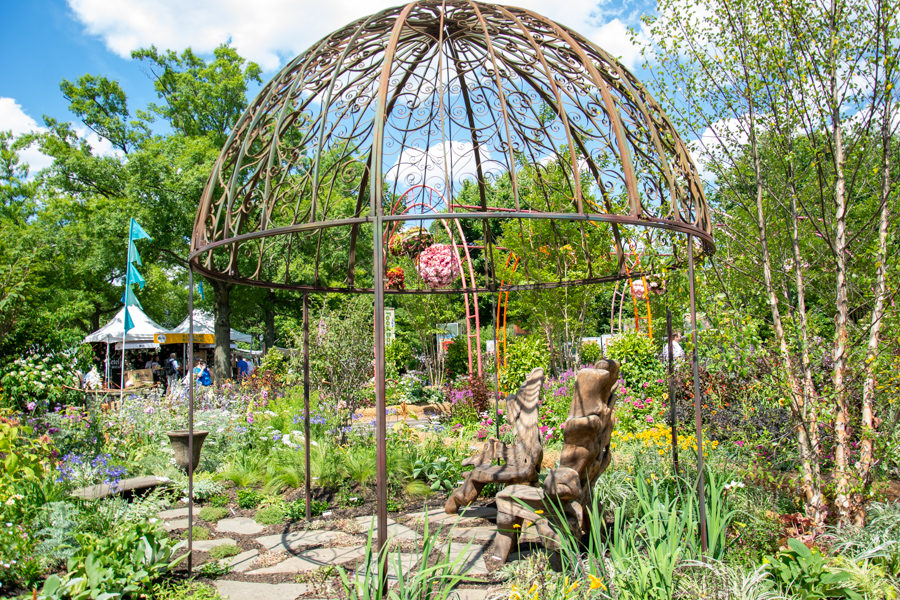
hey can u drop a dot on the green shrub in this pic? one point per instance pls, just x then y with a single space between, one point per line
803 572
637 356
224 551
523 355
456 360
296 511
126 563
248 499
397 356
274 362
270 515
198 533
591 352
212 514
218 500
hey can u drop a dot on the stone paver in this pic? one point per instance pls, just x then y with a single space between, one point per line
242 561
295 539
313 559
473 594
176 513
176 524
242 590
239 525
407 563
476 534
135 484
471 557
395 530
205 545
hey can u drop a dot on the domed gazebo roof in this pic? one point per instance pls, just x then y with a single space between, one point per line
508 115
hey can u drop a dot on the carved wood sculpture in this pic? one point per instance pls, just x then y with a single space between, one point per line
585 455
521 461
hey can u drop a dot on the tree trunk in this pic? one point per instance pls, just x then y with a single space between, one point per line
222 353
864 465
811 489
842 311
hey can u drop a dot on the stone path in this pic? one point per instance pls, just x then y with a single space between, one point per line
298 552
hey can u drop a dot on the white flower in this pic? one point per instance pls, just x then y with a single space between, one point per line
220 430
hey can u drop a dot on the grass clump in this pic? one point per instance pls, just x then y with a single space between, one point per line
218 500
212 514
224 551
270 515
184 590
200 533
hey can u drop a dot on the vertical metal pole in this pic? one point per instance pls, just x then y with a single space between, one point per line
671 362
308 476
696 365
496 362
380 417
190 370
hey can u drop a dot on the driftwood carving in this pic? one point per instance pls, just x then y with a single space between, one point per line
521 462
585 455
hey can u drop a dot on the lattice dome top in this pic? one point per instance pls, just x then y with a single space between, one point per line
518 125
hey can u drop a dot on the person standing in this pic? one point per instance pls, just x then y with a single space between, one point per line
172 367
677 350
243 368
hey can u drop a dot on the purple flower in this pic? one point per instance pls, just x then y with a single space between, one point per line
250 419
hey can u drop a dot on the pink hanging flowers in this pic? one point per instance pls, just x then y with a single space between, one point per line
438 266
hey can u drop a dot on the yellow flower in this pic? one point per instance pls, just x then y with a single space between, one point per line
538 512
533 589
517 526
515 595
571 588
596 583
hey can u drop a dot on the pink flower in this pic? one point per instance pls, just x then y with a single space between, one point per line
250 419
649 419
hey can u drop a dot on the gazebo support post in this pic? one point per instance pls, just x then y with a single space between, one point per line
672 415
307 476
701 499
380 409
190 466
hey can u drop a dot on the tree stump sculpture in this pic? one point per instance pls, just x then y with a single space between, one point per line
569 487
521 461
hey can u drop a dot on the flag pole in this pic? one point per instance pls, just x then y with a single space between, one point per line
125 314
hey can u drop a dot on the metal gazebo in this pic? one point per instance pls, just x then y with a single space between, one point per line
498 108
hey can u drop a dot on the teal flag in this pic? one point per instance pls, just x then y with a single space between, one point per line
129 299
133 253
138 233
134 277
202 297
129 324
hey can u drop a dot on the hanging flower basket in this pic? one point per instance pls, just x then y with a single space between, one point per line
438 266
415 240
395 279
395 245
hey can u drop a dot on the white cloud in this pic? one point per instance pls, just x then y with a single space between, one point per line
615 38
274 30
13 118
451 162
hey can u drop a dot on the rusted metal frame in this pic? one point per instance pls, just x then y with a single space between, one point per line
502 96
588 158
665 224
364 183
695 363
615 118
642 107
671 371
326 106
190 466
307 477
247 142
475 302
378 258
464 90
579 207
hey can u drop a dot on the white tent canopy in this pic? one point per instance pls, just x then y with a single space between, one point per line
205 322
143 330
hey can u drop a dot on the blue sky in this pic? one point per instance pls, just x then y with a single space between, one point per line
46 41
